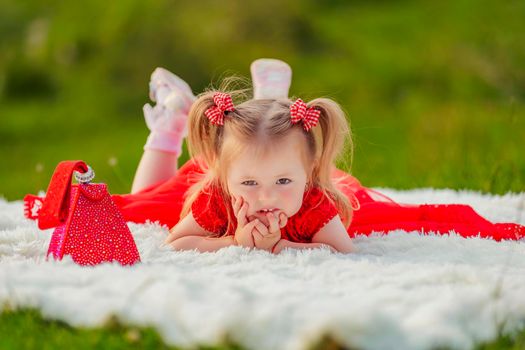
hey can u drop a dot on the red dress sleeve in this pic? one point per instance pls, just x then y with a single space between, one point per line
317 210
209 211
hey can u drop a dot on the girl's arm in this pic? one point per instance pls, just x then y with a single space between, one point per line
189 235
335 235
202 243
284 243
186 227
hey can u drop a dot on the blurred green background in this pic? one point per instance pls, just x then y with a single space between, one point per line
434 90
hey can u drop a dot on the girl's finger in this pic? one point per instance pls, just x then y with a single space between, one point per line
235 205
251 225
240 202
274 225
283 220
262 228
241 218
257 235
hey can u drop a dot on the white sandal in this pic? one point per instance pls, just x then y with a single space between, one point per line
271 78
169 90
167 119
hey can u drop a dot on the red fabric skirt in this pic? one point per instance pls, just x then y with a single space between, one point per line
377 213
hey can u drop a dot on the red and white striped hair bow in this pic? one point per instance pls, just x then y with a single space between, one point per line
223 103
309 116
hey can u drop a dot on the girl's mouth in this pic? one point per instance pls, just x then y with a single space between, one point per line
265 211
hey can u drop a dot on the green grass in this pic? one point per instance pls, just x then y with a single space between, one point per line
28 330
51 334
433 100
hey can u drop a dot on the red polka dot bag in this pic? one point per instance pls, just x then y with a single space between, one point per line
88 225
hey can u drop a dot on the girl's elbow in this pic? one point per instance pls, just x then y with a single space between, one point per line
349 250
176 245
181 243
169 239
346 249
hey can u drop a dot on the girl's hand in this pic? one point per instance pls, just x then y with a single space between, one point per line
280 246
243 234
267 237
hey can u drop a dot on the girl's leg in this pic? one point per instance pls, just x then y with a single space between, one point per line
154 166
167 122
271 78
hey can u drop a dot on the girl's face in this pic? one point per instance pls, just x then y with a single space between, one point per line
273 182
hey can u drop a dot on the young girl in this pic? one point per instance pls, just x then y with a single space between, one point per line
262 174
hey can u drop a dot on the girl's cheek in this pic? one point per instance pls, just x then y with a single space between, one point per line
288 196
247 198
244 194
292 200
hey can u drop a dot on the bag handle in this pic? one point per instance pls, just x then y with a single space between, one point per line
55 207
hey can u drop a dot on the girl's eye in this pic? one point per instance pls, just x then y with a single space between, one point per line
282 181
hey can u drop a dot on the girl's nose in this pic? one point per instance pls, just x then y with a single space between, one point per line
266 196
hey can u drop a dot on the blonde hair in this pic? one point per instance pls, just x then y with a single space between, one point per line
256 123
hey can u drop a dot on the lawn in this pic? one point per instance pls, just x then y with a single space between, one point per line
15 327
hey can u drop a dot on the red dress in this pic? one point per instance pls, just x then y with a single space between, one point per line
377 213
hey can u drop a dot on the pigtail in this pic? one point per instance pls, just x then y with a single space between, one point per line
205 140
203 136
333 140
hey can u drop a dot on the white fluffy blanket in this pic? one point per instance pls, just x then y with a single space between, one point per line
402 290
